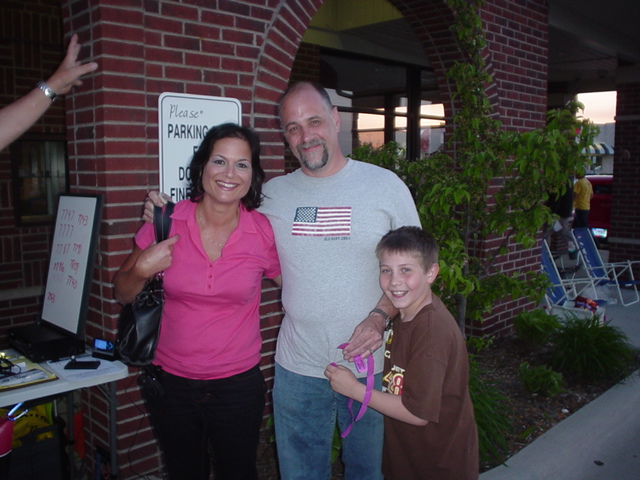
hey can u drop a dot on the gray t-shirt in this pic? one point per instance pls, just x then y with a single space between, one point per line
326 231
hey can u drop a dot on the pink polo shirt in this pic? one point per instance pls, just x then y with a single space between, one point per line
211 324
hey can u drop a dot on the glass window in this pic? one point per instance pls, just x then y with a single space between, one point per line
367 120
39 167
432 125
371 129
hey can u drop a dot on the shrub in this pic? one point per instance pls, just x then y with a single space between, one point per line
591 349
541 380
475 344
535 327
489 405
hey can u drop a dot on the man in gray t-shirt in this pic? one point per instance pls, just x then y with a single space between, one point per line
327 218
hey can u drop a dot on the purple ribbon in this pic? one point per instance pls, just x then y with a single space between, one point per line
367 393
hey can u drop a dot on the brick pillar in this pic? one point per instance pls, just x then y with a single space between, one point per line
624 241
143 49
519 96
112 151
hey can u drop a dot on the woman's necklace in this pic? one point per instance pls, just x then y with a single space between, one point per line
208 237
212 240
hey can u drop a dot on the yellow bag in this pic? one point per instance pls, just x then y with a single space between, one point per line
37 417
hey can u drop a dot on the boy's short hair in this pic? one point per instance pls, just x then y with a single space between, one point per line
413 241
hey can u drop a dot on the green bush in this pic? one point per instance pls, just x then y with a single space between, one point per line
535 327
591 349
475 344
489 405
541 380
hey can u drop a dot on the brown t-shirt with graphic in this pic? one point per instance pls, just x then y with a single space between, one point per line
426 362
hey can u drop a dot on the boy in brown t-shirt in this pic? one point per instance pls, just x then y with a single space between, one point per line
430 430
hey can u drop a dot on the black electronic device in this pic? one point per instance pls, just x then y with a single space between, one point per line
40 343
104 349
60 330
74 364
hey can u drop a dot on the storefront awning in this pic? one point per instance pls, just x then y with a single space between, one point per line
600 148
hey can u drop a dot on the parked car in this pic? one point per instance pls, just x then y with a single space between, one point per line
600 212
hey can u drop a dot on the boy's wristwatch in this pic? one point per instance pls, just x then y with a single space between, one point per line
47 91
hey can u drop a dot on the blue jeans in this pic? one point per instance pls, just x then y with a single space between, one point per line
224 414
305 413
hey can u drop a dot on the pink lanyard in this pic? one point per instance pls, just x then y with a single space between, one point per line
367 393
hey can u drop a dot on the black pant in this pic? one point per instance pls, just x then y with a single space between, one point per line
193 414
581 218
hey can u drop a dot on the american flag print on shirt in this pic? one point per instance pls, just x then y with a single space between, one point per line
322 222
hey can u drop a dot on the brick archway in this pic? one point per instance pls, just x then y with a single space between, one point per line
431 21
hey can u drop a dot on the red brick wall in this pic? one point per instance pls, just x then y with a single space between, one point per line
517 40
156 47
516 54
29 52
625 222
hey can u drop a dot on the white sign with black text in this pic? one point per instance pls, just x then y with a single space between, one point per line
184 120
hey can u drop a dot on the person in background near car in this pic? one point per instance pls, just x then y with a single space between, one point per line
583 192
17 117
561 204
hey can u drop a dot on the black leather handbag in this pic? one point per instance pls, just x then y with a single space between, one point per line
139 322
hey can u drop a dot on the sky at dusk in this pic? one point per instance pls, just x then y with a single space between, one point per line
599 107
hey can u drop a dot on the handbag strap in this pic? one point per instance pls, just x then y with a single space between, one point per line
162 221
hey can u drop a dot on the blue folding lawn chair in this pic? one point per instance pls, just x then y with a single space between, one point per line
619 274
560 296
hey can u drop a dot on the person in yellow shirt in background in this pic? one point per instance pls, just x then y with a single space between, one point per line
582 193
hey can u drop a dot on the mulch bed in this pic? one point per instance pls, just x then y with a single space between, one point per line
531 415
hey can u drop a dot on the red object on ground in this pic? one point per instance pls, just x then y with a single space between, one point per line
6 435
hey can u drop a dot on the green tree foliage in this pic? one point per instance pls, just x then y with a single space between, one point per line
483 196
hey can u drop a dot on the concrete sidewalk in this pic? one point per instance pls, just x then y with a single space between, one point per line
601 441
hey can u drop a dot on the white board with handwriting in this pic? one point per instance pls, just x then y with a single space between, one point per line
71 263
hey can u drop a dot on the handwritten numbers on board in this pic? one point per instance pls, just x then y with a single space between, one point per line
71 264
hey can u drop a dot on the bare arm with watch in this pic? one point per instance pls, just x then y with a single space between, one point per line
17 117
367 336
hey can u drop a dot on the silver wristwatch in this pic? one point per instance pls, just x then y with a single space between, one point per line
47 90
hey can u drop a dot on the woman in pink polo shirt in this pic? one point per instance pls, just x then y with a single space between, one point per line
207 361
